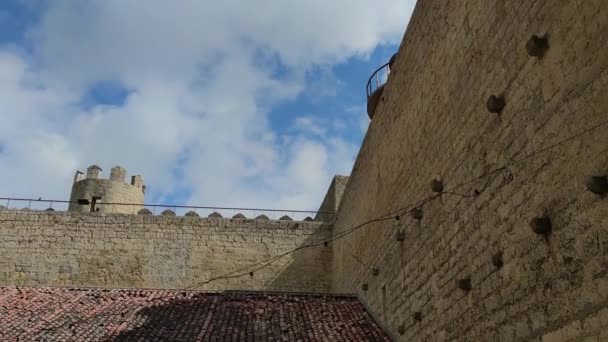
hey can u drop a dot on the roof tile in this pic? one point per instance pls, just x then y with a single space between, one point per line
66 314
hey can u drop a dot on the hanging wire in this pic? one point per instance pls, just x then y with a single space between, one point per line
352 253
399 212
406 209
390 216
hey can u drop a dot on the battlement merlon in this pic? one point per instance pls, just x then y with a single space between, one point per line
93 172
118 174
78 176
138 182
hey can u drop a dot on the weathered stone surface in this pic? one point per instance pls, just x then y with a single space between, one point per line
433 120
144 211
192 214
286 218
331 202
262 217
118 250
168 212
239 216
215 214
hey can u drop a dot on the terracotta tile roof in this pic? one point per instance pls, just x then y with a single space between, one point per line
63 314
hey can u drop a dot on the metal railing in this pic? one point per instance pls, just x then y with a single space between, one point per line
41 204
379 76
377 79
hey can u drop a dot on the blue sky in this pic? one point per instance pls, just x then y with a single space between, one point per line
229 104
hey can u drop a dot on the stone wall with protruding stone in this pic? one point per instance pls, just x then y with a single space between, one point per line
437 276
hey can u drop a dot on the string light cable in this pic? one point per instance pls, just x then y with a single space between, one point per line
394 215
401 211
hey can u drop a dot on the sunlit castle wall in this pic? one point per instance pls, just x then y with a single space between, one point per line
472 90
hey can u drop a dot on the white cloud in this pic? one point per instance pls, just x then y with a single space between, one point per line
202 76
307 125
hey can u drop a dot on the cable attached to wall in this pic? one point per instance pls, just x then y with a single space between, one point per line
397 214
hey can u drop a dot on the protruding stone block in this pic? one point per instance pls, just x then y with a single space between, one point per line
495 104
597 184
78 176
168 212
541 225
144 211
215 214
239 216
137 181
465 284
401 329
497 260
93 172
118 174
400 236
437 184
536 46
417 213
192 213
262 217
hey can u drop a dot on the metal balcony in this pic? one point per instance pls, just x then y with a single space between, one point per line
375 85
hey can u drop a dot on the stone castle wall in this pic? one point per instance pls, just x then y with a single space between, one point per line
138 251
432 120
331 201
112 190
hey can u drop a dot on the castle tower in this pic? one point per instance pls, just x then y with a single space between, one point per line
104 195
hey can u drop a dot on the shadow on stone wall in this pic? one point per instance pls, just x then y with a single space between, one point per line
194 316
188 317
309 269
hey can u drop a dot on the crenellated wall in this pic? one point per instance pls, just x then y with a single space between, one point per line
112 190
433 120
469 266
141 251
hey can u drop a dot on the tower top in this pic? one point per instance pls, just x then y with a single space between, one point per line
117 174
93 171
106 193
